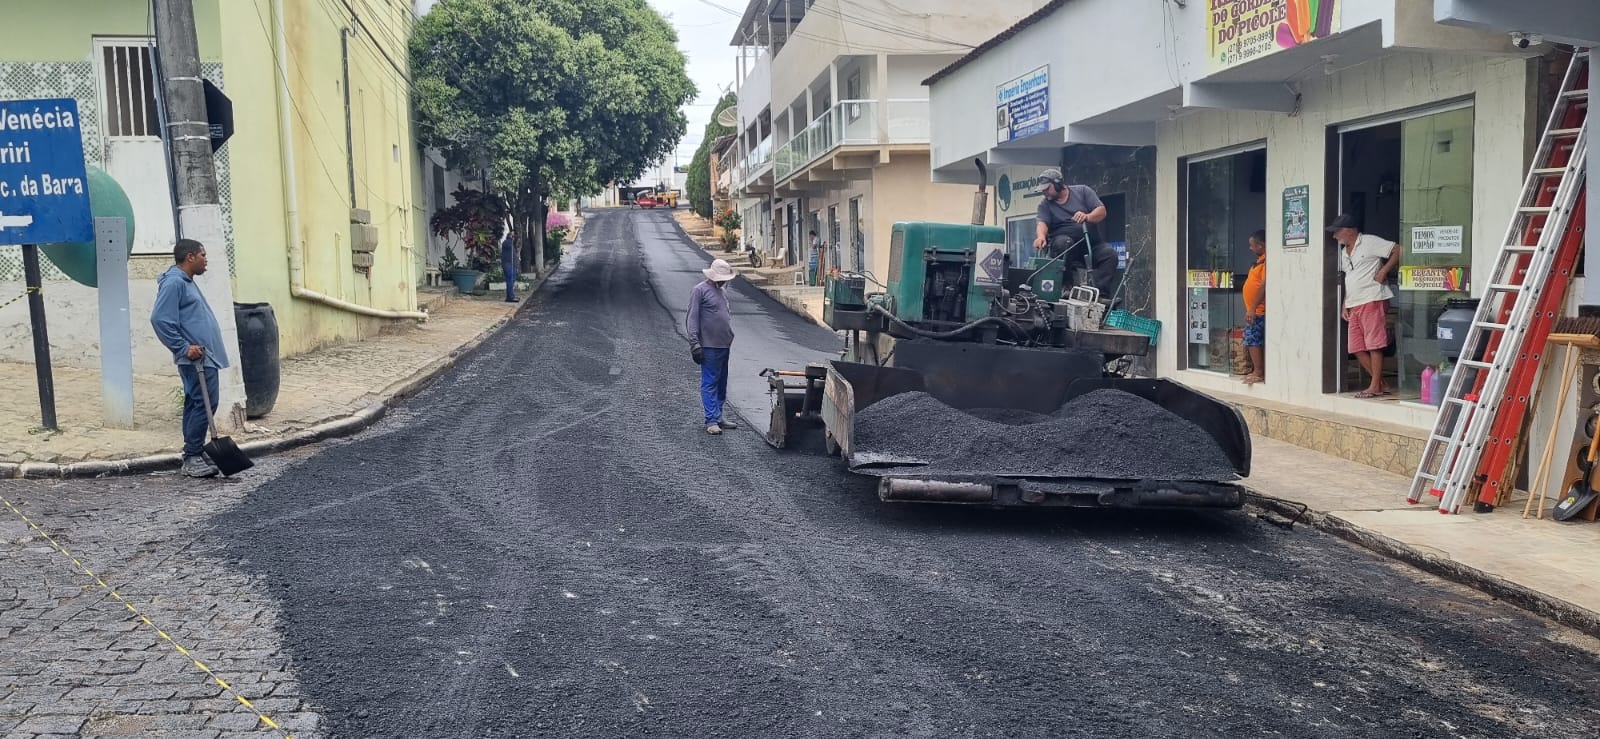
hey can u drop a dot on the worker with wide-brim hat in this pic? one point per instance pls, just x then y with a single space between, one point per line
710 325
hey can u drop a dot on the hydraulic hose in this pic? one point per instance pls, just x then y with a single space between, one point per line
953 333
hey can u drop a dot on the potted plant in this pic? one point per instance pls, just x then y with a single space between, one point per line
475 222
729 221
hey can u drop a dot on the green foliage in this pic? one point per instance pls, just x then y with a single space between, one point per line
476 221
729 221
544 96
698 182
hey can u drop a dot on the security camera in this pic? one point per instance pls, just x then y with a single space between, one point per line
1524 40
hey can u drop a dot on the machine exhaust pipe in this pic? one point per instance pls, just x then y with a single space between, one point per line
980 199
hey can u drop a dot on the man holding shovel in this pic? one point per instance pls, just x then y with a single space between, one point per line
184 323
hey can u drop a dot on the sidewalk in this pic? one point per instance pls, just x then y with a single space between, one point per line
1542 565
344 383
779 282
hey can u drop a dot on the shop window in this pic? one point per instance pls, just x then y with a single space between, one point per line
1226 202
1410 181
1020 233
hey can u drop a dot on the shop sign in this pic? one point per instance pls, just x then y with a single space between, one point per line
1297 216
1203 278
1435 279
1199 316
1008 190
1436 240
1244 30
1022 106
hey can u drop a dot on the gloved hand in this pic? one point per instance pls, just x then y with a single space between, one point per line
697 355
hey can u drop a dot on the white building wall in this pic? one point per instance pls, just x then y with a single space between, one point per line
834 28
755 91
1296 155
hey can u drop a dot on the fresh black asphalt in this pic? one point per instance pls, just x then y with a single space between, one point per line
545 543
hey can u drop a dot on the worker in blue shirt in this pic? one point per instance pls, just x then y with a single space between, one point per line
508 262
710 325
184 323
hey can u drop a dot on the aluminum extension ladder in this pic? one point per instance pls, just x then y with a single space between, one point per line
1522 273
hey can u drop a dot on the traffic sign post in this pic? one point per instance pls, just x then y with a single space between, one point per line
44 199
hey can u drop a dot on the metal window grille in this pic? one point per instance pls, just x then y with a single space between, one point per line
129 86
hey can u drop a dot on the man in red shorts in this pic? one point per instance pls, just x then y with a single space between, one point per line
1366 261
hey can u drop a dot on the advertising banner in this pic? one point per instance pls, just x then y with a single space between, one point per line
1242 30
1022 106
1434 279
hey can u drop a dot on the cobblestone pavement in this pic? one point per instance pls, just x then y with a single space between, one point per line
76 662
315 387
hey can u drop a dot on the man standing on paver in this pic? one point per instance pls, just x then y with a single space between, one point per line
1255 310
184 323
1064 215
710 339
1367 261
508 263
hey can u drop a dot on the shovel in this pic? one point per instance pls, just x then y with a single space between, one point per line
1582 492
225 454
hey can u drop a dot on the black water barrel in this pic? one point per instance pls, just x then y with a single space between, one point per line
258 356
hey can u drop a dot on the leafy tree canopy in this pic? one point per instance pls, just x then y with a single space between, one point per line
547 94
698 183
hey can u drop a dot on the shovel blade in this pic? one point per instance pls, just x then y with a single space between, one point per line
1578 497
230 460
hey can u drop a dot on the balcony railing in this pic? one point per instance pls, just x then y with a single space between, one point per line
854 123
760 157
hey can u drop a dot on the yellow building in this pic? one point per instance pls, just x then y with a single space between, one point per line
321 183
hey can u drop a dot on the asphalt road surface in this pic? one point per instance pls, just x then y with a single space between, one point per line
546 543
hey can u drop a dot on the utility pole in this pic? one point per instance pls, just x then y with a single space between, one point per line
194 174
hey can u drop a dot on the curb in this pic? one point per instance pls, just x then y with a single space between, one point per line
1521 596
339 427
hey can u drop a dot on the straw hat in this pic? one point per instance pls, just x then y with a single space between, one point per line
720 271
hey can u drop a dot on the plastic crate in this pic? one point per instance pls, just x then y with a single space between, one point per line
1138 324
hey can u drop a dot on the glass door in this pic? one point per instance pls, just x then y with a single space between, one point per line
1226 203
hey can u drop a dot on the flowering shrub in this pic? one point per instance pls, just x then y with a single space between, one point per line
556 227
729 221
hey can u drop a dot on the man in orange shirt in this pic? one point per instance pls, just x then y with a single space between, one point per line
1255 310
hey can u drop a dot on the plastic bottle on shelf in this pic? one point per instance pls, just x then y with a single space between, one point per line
1427 384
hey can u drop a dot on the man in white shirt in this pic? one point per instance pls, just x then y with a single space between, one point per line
1366 261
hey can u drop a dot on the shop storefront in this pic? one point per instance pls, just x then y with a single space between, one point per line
1418 158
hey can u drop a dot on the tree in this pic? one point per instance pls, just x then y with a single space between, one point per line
700 176
541 96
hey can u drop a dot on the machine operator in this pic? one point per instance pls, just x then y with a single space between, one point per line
1064 215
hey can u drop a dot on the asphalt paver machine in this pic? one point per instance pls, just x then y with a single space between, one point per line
957 320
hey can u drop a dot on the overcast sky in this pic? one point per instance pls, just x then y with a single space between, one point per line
704 27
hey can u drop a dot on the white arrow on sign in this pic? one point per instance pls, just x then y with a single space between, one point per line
14 221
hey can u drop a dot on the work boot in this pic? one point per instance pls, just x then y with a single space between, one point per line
714 429
199 467
728 425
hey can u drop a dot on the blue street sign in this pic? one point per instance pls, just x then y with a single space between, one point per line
44 190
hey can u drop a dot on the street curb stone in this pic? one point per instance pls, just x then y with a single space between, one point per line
338 427
1521 596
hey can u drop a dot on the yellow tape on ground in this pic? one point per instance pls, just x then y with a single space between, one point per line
265 719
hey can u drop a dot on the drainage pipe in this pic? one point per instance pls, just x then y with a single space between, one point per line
291 191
